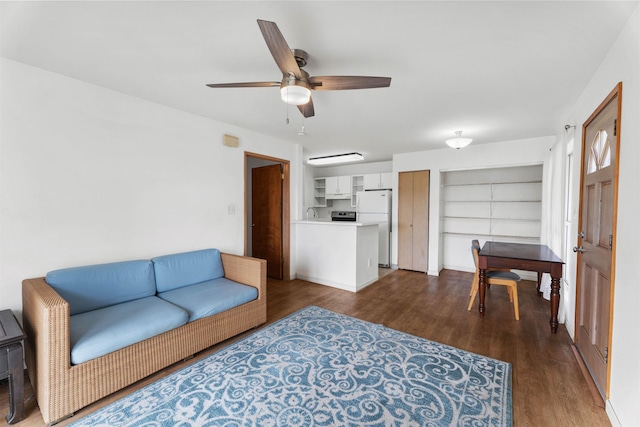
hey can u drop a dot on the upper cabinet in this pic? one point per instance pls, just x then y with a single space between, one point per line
326 189
338 187
386 180
319 192
378 181
357 184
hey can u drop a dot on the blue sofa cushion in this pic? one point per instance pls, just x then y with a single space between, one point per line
99 332
187 268
210 297
96 286
498 274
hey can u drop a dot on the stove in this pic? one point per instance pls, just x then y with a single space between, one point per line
343 216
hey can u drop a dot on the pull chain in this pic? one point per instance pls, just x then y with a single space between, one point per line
287 121
302 132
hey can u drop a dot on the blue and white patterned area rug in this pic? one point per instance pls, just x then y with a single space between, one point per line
319 368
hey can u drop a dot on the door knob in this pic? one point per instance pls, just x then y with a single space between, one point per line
578 249
581 234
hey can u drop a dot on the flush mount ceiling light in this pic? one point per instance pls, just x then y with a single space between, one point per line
458 142
336 158
294 91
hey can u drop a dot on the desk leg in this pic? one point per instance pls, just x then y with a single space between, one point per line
555 303
16 383
482 287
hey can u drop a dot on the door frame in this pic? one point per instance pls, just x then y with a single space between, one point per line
617 91
286 211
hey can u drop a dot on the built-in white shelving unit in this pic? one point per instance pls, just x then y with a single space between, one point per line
319 192
501 204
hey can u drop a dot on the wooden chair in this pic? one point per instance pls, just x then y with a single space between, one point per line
494 277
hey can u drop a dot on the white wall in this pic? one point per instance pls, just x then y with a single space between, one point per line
622 64
500 154
89 175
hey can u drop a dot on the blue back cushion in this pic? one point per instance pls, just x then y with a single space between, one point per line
187 268
96 286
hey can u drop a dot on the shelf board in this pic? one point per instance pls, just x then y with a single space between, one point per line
492 236
490 201
491 218
492 183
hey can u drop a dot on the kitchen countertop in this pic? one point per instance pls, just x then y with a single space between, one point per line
329 222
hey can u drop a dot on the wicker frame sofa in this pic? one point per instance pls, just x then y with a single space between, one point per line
62 388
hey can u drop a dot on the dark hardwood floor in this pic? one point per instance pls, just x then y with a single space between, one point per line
548 386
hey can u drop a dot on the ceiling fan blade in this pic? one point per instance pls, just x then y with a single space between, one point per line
348 82
279 48
307 109
249 84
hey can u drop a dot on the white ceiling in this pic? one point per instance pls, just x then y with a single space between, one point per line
497 70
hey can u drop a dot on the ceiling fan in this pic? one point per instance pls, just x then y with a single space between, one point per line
296 84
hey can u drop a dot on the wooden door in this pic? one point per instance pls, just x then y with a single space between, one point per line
420 220
413 220
266 215
596 241
405 220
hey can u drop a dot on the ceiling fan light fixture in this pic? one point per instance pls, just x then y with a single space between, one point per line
336 158
295 92
458 142
296 84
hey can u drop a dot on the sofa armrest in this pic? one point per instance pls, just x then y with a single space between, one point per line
246 270
47 346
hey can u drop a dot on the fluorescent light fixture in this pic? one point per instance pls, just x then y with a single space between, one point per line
295 92
458 142
336 158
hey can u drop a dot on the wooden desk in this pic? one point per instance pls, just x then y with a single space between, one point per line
11 364
519 256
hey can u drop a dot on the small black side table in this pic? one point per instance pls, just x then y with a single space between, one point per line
11 364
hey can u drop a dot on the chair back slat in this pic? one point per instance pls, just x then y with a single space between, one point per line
475 248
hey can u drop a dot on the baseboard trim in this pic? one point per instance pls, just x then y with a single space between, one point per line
597 399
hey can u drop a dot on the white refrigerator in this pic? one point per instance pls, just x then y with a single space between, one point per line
374 207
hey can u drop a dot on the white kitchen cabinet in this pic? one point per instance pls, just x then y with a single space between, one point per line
338 187
386 181
357 184
378 181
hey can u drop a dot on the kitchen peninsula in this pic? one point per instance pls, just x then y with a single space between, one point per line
343 255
